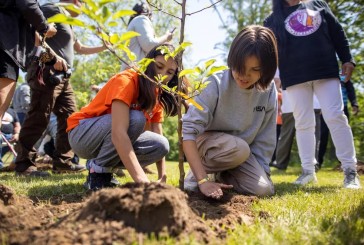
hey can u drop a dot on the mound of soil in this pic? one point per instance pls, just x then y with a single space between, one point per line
6 195
147 208
127 214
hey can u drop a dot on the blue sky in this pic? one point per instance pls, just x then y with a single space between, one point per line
203 30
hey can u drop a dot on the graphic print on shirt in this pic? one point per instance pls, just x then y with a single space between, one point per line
259 108
303 22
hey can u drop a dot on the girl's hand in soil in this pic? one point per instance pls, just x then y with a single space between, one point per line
213 189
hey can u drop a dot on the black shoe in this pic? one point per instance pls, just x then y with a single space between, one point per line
317 167
65 168
32 171
96 181
278 166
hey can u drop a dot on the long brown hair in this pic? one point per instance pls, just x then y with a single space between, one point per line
147 90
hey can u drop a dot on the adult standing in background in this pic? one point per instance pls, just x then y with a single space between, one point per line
285 141
17 20
309 37
348 93
55 96
141 23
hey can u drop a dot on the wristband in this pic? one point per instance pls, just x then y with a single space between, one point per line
200 182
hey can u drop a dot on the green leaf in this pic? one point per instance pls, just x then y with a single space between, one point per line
215 69
70 7
144 63
128 35
198 70
209 63
113 23
114 38
104 36
61 18
123 13
105 12
184 45
165 87
131 56
103 2
185 72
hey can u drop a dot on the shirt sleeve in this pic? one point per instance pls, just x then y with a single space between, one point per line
337 35
147 39
195 121
351 93
30 9
265 141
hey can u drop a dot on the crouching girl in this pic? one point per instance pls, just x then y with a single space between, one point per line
233 136
110 131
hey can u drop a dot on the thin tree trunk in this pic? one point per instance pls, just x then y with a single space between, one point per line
180 141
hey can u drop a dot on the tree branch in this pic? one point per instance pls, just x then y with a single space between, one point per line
177 2
204 8
161 10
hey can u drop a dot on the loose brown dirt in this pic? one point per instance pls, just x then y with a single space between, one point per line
125 215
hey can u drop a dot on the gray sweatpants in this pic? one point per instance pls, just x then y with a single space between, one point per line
91 139
231 156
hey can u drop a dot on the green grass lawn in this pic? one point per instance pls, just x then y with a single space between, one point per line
324 213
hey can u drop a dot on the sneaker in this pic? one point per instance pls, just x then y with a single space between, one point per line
278 166
65 168
351 180
306 178
97 181
190 182
32 171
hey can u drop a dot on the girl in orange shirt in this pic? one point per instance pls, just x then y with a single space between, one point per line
110 130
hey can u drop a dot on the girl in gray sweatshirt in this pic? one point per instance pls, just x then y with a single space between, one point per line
234 135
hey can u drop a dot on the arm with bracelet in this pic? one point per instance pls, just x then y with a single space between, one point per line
206 186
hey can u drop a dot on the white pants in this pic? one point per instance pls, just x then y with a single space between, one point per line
328 93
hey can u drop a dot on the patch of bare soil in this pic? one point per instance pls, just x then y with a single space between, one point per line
127 214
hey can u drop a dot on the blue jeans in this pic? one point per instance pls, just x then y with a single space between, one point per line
91 139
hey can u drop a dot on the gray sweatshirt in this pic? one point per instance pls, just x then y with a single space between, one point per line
147 40
246 113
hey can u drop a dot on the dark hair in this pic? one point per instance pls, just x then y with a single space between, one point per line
256 41
147 90
140 9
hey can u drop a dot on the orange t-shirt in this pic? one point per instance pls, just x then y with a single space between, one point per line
123 86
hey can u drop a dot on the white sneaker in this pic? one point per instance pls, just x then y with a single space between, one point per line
190 182
306 178
351 180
